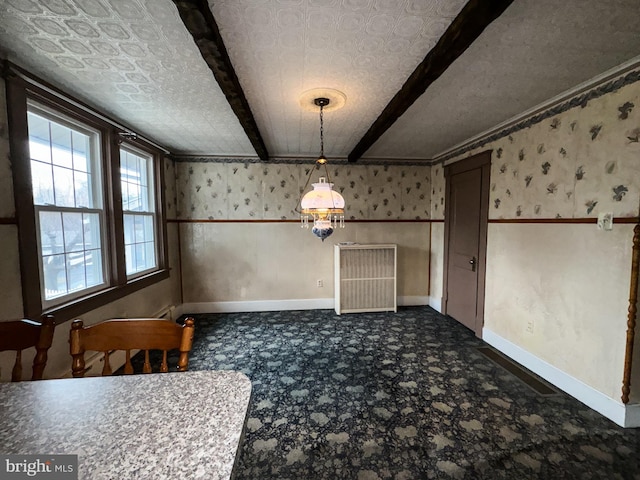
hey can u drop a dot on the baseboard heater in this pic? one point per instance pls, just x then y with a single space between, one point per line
365 278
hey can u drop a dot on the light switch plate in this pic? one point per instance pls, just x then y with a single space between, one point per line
605 221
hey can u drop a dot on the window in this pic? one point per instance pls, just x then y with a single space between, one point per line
89 203
66 181
138 211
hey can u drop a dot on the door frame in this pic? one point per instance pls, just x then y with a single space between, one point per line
481 161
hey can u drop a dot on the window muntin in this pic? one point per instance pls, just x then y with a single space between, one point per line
26 94
66 179
138 211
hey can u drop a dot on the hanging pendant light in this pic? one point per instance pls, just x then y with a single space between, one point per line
322 204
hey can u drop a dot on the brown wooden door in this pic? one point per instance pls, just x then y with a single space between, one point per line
467 193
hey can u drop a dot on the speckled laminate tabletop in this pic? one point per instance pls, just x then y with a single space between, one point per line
183 425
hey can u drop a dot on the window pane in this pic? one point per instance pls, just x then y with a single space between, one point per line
148 228
75 271
93 263
39 151
61 145
133 198
81 184
140 260
138 229
81 149
140 244
39 141
137 182
144 199
42 181
38 127
131 173
130 256
142 168
55 276
51 237
128 229
150 254
91 225
71 253
63 187
73 232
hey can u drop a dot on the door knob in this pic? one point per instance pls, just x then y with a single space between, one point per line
473 264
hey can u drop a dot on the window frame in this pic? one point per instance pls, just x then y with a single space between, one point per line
152 204
22 89
97 192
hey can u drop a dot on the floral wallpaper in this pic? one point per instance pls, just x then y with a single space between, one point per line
574 160
169 187
437 192
243 190
576 164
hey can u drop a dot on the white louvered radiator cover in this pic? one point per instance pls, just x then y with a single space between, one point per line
365 278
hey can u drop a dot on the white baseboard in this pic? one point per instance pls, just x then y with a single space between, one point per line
277 305
632 417
623 415
435 303
258 306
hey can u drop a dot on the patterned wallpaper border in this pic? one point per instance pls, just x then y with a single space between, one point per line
578 101
296 161
584 220
207 220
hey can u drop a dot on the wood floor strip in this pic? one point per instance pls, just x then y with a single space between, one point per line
540 387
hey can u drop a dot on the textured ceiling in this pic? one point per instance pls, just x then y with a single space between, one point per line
132 58
364 48
536 50
135 60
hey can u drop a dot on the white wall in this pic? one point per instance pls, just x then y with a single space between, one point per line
258 262
567 282
241 242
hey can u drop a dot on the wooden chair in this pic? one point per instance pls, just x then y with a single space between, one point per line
130 334
19 335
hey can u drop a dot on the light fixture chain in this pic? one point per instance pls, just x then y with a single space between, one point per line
321 131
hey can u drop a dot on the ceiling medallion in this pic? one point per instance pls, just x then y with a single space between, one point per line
336 98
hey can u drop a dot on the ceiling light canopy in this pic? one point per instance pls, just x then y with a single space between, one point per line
336 99
323 204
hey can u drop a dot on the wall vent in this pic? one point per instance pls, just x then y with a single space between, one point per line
365 278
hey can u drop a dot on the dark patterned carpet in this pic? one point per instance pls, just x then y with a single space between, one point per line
398 396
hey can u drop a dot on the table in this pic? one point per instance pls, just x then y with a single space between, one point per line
185 425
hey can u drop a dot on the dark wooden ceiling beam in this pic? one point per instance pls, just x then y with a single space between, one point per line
463 31
197 17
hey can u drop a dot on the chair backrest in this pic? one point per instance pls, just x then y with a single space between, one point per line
131 334
19 335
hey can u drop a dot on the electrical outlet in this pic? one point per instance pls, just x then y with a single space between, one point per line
605 221
530 326
320 283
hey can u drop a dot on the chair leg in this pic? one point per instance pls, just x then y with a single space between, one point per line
106 369
44 342
128 367
16 373
146 367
